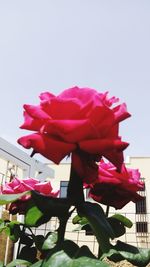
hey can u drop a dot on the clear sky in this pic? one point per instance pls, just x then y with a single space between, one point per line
50 45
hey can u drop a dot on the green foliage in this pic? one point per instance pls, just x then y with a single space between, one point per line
99 224
52 206
28 253
119 223
125 221
79 220
39 240
13 231
2 225
32 216
123 251
25 239
60 259
50 241
18 263
38 264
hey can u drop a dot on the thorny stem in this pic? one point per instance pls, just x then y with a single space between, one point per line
61 230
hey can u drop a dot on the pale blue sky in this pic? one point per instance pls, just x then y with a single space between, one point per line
56 44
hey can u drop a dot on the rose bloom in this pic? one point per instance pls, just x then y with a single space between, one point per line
116 189
80 121
19 186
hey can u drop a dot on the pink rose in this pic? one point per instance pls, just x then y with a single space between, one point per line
116 189
19 186
79 120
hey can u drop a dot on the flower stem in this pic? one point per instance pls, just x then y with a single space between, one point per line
106 213
75 193
19 245
61 230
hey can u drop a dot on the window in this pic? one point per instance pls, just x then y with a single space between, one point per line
141 227
141 206
63 189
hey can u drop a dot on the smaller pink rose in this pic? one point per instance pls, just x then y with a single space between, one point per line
114 188
19 186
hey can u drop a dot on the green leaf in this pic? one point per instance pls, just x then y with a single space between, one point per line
79 220
37 264
84 251
128 223
1 264
50 241
117 226
28 254
8 198
48 205
60 259
85 261
25 239
2 225
39 240
13 231
32 216
123 251
99 224
18 263
70 248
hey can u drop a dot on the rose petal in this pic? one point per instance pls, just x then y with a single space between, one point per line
31 123
50 148
70 131
36 112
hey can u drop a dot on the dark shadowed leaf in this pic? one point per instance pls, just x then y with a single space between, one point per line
13 231
84 251
60 259
123 251
28 254
39 240
128 223
25 239
99 224
48 205
117 226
